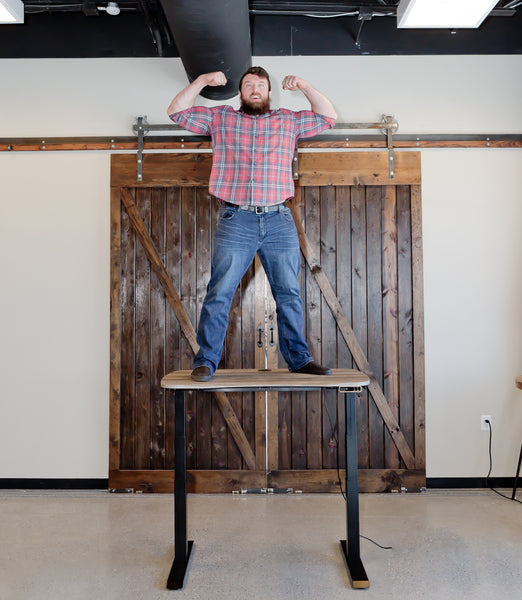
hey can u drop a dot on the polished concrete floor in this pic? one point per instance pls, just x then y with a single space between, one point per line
96 545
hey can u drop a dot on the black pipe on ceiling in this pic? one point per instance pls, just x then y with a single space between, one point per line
211 36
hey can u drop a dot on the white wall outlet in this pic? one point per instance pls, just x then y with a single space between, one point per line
483 425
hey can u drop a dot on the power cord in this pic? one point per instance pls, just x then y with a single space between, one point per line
491 466
333 435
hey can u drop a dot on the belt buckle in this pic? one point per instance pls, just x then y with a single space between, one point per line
260 210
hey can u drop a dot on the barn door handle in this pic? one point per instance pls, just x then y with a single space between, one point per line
260 338
272 342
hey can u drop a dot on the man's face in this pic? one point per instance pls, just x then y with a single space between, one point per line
255 95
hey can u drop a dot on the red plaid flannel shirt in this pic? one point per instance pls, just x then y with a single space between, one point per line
252 155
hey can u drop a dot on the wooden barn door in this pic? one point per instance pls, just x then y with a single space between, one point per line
362 290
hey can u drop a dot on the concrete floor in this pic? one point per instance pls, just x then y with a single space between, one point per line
96 545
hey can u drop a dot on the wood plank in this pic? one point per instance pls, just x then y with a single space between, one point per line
327 480
128 367
360 310
187 292
343 267
186 326
329 351
296 408
157 336
418 328
357 168
313 331
405 314
161 170
115 333
344 296
356 350
198 481
391 359
375 332
142 337
173 331
299 400
284 445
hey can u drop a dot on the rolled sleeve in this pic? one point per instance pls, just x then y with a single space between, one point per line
197 119
310 123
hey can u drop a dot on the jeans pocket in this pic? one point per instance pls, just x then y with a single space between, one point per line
227 213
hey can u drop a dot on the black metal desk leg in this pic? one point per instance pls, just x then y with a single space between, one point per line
182 548
350 547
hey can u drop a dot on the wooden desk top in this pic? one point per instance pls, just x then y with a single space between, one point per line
259 380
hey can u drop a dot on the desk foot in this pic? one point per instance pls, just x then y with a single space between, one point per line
355 569
179 570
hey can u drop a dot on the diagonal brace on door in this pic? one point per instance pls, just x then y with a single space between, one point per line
186 326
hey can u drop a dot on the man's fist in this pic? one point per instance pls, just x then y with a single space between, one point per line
293 83
216 78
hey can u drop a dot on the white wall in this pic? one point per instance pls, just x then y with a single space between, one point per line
54 246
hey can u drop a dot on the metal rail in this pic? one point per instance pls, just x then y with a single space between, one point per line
388 126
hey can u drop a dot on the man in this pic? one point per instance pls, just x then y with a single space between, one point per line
251 175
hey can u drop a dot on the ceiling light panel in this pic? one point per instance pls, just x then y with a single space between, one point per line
11 12
443 14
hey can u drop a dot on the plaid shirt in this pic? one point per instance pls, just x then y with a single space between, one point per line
252 155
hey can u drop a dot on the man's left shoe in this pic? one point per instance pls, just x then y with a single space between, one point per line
313 368
201 373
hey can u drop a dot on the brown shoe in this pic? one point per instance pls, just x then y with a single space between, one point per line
313 368
201 373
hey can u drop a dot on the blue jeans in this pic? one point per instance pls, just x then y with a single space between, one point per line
239 235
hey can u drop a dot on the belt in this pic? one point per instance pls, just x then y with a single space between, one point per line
257 209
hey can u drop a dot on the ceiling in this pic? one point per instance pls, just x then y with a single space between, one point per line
63 29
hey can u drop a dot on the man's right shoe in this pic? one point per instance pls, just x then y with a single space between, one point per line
313 368
201 373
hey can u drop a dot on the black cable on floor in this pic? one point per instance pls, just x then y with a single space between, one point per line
491 466
333 435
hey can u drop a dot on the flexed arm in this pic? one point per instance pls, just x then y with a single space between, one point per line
186 98
319 103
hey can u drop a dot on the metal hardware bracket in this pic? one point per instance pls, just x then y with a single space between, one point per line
388 126
391 128
140 128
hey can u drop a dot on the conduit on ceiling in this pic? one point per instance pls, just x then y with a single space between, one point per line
212 36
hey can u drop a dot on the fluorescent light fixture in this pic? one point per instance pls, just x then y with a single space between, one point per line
11 11
445 14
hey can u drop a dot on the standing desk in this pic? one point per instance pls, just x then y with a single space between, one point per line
346 381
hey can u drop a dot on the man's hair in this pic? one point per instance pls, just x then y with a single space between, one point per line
259 71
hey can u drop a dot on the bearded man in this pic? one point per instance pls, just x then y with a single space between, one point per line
251 175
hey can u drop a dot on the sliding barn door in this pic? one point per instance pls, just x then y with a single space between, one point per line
361 286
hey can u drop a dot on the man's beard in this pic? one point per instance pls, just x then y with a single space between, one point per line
255 109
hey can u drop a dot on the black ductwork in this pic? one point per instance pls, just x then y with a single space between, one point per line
212 35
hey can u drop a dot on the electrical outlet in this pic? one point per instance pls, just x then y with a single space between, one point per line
483 425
